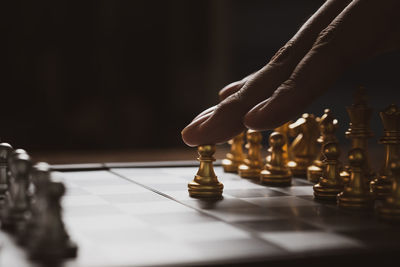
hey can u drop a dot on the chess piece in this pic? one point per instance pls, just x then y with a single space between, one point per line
381 186
330 183
40 175
5 150
356 194
275 172
205 183
284 130
390 210
252 164
304 147
359 131
235 157
50 242
16 205
327 127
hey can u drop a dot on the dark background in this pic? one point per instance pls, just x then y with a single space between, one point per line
131 74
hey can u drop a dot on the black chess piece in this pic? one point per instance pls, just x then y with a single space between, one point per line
16 206
50 241
5 150
40 176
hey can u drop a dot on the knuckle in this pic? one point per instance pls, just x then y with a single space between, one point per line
283 53
327 36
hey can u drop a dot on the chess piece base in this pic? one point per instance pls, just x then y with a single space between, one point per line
297 169
314 173
326 193
355 202
381 188
13 220
53 253
345 176
389 213
275 179
248 172
230 165
197 190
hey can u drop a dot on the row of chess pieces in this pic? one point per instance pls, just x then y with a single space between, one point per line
314 153
30 207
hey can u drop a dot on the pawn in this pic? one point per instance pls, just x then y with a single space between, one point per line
284 129
275 172
235 157
356 194
41 179
205 183
391 207
252 164
5 150
50 241
329 185
17 203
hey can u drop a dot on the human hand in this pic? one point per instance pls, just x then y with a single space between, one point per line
340 34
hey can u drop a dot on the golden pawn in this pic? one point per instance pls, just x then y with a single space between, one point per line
327 127
235 157
382 185
275 172
205 183
330 184
345 174
284 130
391 206
252 164
355 194
304 147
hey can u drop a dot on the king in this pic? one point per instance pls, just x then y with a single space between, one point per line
382 185
359 132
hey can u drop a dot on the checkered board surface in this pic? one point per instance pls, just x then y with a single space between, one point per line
145 217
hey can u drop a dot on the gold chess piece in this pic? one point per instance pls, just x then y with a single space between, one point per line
284 130
381 186
275 172
330 184
305 147
235 157
390 210
252 164
327 127
356 194
205 183
359 131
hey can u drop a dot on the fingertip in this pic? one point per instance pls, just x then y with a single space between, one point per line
191 133
261 118
274 111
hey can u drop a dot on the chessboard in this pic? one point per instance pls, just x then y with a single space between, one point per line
142 215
